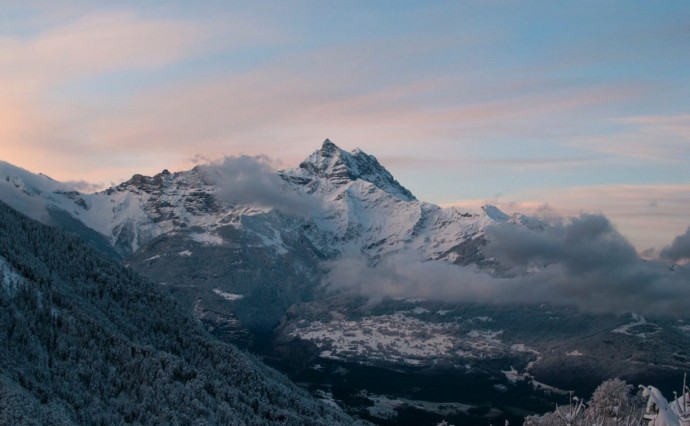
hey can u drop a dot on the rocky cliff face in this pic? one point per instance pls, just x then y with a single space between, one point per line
339 168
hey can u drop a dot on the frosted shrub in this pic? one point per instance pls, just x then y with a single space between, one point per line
611 404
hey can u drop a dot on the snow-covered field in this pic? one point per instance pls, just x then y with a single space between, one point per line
384 406
638 327
399 338
230 297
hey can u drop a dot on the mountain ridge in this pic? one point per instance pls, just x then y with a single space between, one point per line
361 197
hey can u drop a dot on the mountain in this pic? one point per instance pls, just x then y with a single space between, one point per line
247 250
84 340
363 207
366 210
50 202
173 228
339 168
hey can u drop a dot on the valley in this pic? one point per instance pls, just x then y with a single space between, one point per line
397 310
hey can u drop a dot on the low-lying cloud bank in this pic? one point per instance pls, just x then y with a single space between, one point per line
679 250
583 262
253 181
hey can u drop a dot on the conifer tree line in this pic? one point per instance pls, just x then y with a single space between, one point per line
84 340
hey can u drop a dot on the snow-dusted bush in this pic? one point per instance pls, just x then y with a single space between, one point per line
613 403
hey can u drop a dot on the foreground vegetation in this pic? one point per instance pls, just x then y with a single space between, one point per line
84 340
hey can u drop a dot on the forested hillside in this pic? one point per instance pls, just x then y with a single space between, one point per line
84 340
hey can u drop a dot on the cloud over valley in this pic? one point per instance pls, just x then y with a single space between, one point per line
583 261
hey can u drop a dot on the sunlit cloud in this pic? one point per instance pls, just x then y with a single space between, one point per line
263 110
44 108
95 44
33 70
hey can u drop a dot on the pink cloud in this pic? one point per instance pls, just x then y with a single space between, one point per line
41 130
254 112
96 44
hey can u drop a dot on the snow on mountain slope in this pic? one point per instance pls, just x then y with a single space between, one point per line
331 167
133 213
364 209
143 208
32 194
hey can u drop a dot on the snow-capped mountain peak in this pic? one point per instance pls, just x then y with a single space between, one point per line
146 183
495 213
340 167
357 206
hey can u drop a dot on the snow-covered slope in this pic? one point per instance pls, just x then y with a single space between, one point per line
31 194
132 213
143 208
367 211
364 209
331 167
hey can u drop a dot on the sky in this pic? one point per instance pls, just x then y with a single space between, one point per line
536 107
